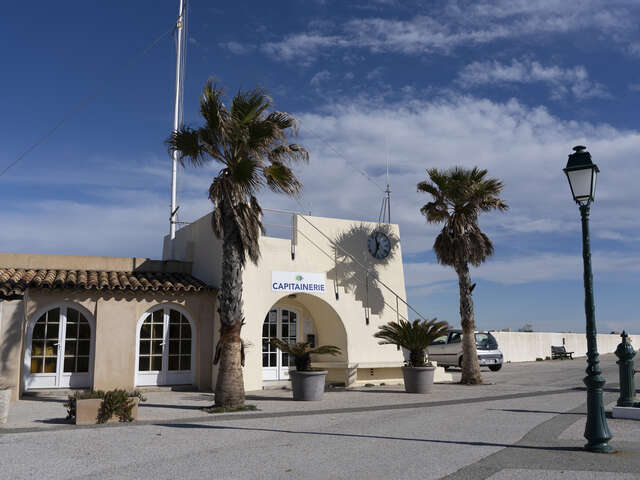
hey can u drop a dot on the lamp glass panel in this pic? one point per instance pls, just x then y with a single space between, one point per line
580 181
595 176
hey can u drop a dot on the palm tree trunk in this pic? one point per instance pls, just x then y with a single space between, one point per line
470 367
230 383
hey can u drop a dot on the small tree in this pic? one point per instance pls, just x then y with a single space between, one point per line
414 336
527 327
458 196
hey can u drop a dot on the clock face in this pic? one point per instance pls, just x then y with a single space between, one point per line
379 245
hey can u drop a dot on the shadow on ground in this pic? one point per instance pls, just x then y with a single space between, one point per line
376 437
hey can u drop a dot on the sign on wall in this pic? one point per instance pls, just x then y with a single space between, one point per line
300 282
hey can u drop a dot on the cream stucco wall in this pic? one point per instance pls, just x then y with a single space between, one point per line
527 346
11 335
196 243
116 317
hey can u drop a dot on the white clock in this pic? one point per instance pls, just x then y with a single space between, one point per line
379 245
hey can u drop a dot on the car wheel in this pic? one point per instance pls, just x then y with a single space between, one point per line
495 368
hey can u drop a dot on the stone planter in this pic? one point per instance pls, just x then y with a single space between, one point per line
418 379
308 386
5 398
87 411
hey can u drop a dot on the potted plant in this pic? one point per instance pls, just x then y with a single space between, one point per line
307 383
5 398
86 408
415 337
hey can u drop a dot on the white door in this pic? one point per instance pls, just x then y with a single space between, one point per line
166 348
281 323
59 350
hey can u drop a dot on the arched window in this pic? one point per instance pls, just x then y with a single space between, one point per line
166 347
60 345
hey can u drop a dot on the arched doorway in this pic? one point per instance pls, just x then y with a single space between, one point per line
302 318
165 352
283 323
60 348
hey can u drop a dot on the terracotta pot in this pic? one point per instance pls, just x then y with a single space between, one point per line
418 379
308 386
87 411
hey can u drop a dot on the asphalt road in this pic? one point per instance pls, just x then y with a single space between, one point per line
535 434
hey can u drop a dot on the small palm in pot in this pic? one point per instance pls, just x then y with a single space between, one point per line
415 337
302 351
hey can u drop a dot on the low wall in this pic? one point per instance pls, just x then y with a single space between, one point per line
527 346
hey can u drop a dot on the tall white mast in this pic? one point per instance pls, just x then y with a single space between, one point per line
177 119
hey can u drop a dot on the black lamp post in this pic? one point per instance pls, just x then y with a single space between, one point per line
581 173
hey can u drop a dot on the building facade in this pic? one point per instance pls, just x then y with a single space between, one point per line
326 282
103 322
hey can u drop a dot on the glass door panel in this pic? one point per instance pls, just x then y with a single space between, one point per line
269 352
165 349
289 334
283 324
61 350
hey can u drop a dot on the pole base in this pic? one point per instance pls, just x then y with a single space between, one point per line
603 447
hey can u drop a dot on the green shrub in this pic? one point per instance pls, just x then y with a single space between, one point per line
114 402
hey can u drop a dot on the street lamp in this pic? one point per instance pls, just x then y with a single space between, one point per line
581 173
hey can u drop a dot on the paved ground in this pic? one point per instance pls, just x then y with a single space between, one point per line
525 423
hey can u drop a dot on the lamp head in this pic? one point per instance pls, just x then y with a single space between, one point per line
581 173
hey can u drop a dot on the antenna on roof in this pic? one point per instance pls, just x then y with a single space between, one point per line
385 209
177 115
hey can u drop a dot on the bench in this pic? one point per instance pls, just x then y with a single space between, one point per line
560 352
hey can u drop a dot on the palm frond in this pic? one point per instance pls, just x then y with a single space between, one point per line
302 351
458 196
414 336
186 142
281 178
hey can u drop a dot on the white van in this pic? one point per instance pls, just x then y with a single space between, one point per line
447 350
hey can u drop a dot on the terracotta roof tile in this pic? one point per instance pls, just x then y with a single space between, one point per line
14 281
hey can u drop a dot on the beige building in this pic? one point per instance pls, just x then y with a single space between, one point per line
330 281
101 322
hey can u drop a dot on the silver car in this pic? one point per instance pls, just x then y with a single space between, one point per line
447 350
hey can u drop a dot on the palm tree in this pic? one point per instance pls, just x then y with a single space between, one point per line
458 196
414 336
251 146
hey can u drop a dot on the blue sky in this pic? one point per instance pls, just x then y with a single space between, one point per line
510 86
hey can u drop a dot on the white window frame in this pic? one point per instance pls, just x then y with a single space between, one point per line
280 373
60 379
166 377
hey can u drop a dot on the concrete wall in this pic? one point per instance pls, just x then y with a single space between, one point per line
116 316
338 321
527 346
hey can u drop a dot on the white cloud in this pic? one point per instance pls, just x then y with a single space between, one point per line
520 270
238 48
523 146
320 78
562 81
464 23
